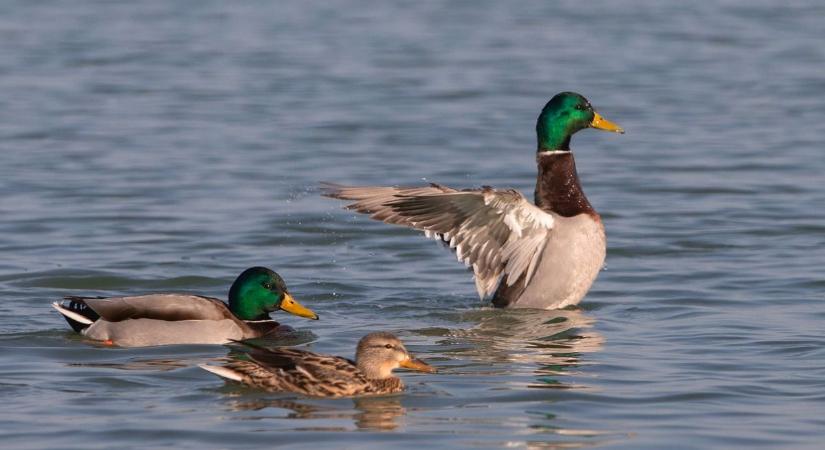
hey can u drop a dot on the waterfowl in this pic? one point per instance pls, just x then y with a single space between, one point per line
160 319
312 374
543 255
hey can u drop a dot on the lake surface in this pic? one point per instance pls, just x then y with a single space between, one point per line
166 146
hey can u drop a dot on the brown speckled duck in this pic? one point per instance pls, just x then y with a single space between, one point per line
543 255
312 374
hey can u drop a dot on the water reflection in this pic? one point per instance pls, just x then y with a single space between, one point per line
552 337
382 413
379 413
549 343
506 351
297 409
159 364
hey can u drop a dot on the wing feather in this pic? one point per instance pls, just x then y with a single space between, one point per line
498 233
158 306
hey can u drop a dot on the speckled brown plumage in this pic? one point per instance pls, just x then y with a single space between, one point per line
316 375
312 374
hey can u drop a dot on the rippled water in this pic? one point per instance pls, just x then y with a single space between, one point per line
161 146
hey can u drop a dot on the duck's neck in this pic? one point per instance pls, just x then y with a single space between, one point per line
247 310
557 186
375 370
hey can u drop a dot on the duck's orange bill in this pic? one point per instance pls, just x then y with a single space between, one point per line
601 123
417 364
291 306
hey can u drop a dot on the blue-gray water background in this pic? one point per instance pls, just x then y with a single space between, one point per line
157 146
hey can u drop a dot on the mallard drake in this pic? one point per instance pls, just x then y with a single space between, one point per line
160 319
542 255
312 374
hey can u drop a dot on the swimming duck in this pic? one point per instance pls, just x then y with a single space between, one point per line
543 255
160 319
312 374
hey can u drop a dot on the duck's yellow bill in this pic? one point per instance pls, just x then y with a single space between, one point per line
601 123
291 306
417 364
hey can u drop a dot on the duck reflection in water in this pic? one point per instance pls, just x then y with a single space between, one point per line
379 413
382 413
519 340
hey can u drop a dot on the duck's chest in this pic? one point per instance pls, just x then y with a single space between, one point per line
570 261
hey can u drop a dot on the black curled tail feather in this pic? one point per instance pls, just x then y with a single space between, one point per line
79 306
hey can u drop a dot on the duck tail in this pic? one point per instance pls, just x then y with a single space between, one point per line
77 313
223 372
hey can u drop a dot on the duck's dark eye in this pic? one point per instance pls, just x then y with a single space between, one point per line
580 107
388 346
267 286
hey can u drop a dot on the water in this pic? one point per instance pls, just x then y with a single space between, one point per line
164 146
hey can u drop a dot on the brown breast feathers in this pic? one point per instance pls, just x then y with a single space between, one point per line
557 186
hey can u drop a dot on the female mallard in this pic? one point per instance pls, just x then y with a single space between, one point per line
307 373
533 256
160 319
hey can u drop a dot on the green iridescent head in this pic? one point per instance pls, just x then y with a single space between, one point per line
259 291
565 114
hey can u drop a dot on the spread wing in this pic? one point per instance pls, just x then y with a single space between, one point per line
496 232
157 306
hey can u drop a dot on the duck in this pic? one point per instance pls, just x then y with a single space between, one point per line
316 375
544 254
169 318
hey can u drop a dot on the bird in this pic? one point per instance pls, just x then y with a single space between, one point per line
162 319
317 375
542 255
